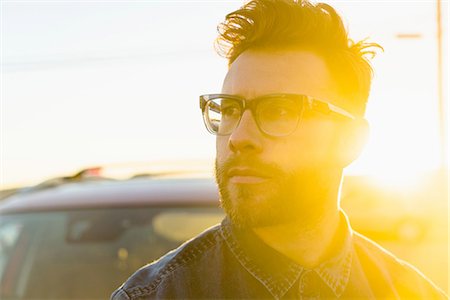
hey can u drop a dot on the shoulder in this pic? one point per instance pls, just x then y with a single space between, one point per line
404 279
145 282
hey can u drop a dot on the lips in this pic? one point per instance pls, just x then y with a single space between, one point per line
245 175
243 171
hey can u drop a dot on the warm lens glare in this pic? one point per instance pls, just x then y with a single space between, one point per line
278 116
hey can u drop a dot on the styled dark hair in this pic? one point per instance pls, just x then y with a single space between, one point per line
284 24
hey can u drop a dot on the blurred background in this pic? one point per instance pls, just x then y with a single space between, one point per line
116 83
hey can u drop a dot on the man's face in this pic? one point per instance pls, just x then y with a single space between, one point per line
265 180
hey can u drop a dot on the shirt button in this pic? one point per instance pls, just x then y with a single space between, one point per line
309 285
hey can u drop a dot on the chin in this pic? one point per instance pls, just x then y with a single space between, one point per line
255 206
284 199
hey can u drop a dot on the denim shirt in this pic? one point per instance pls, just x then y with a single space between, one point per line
224 262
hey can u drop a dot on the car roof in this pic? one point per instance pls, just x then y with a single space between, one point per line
136 192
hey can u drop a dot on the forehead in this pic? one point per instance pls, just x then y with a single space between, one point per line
260 72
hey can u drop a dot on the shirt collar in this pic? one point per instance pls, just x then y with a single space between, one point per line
335 271
279 273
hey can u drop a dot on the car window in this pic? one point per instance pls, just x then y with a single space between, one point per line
86 254
9 234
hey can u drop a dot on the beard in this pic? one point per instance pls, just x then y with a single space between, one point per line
286 197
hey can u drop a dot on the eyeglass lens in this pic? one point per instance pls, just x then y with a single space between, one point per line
274 116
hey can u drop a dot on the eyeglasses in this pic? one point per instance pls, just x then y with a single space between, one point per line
275 114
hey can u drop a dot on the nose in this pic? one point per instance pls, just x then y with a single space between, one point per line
246 137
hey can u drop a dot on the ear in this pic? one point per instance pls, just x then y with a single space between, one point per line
352 138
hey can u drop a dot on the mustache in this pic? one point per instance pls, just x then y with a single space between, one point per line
235 162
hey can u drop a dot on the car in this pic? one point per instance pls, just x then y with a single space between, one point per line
81 239
81 236
409 214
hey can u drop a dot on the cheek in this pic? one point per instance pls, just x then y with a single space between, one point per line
290 154
309 146
221 148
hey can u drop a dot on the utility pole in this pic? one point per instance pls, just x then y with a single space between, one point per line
440 85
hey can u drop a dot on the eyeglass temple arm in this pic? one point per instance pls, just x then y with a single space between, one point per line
328 108
214 106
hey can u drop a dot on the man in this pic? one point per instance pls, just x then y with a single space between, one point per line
289 119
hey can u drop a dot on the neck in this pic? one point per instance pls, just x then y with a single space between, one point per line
307 241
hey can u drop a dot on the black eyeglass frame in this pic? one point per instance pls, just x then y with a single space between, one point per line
305 101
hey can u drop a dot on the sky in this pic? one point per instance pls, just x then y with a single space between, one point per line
89 83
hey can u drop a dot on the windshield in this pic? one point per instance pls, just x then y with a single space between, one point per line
87 254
